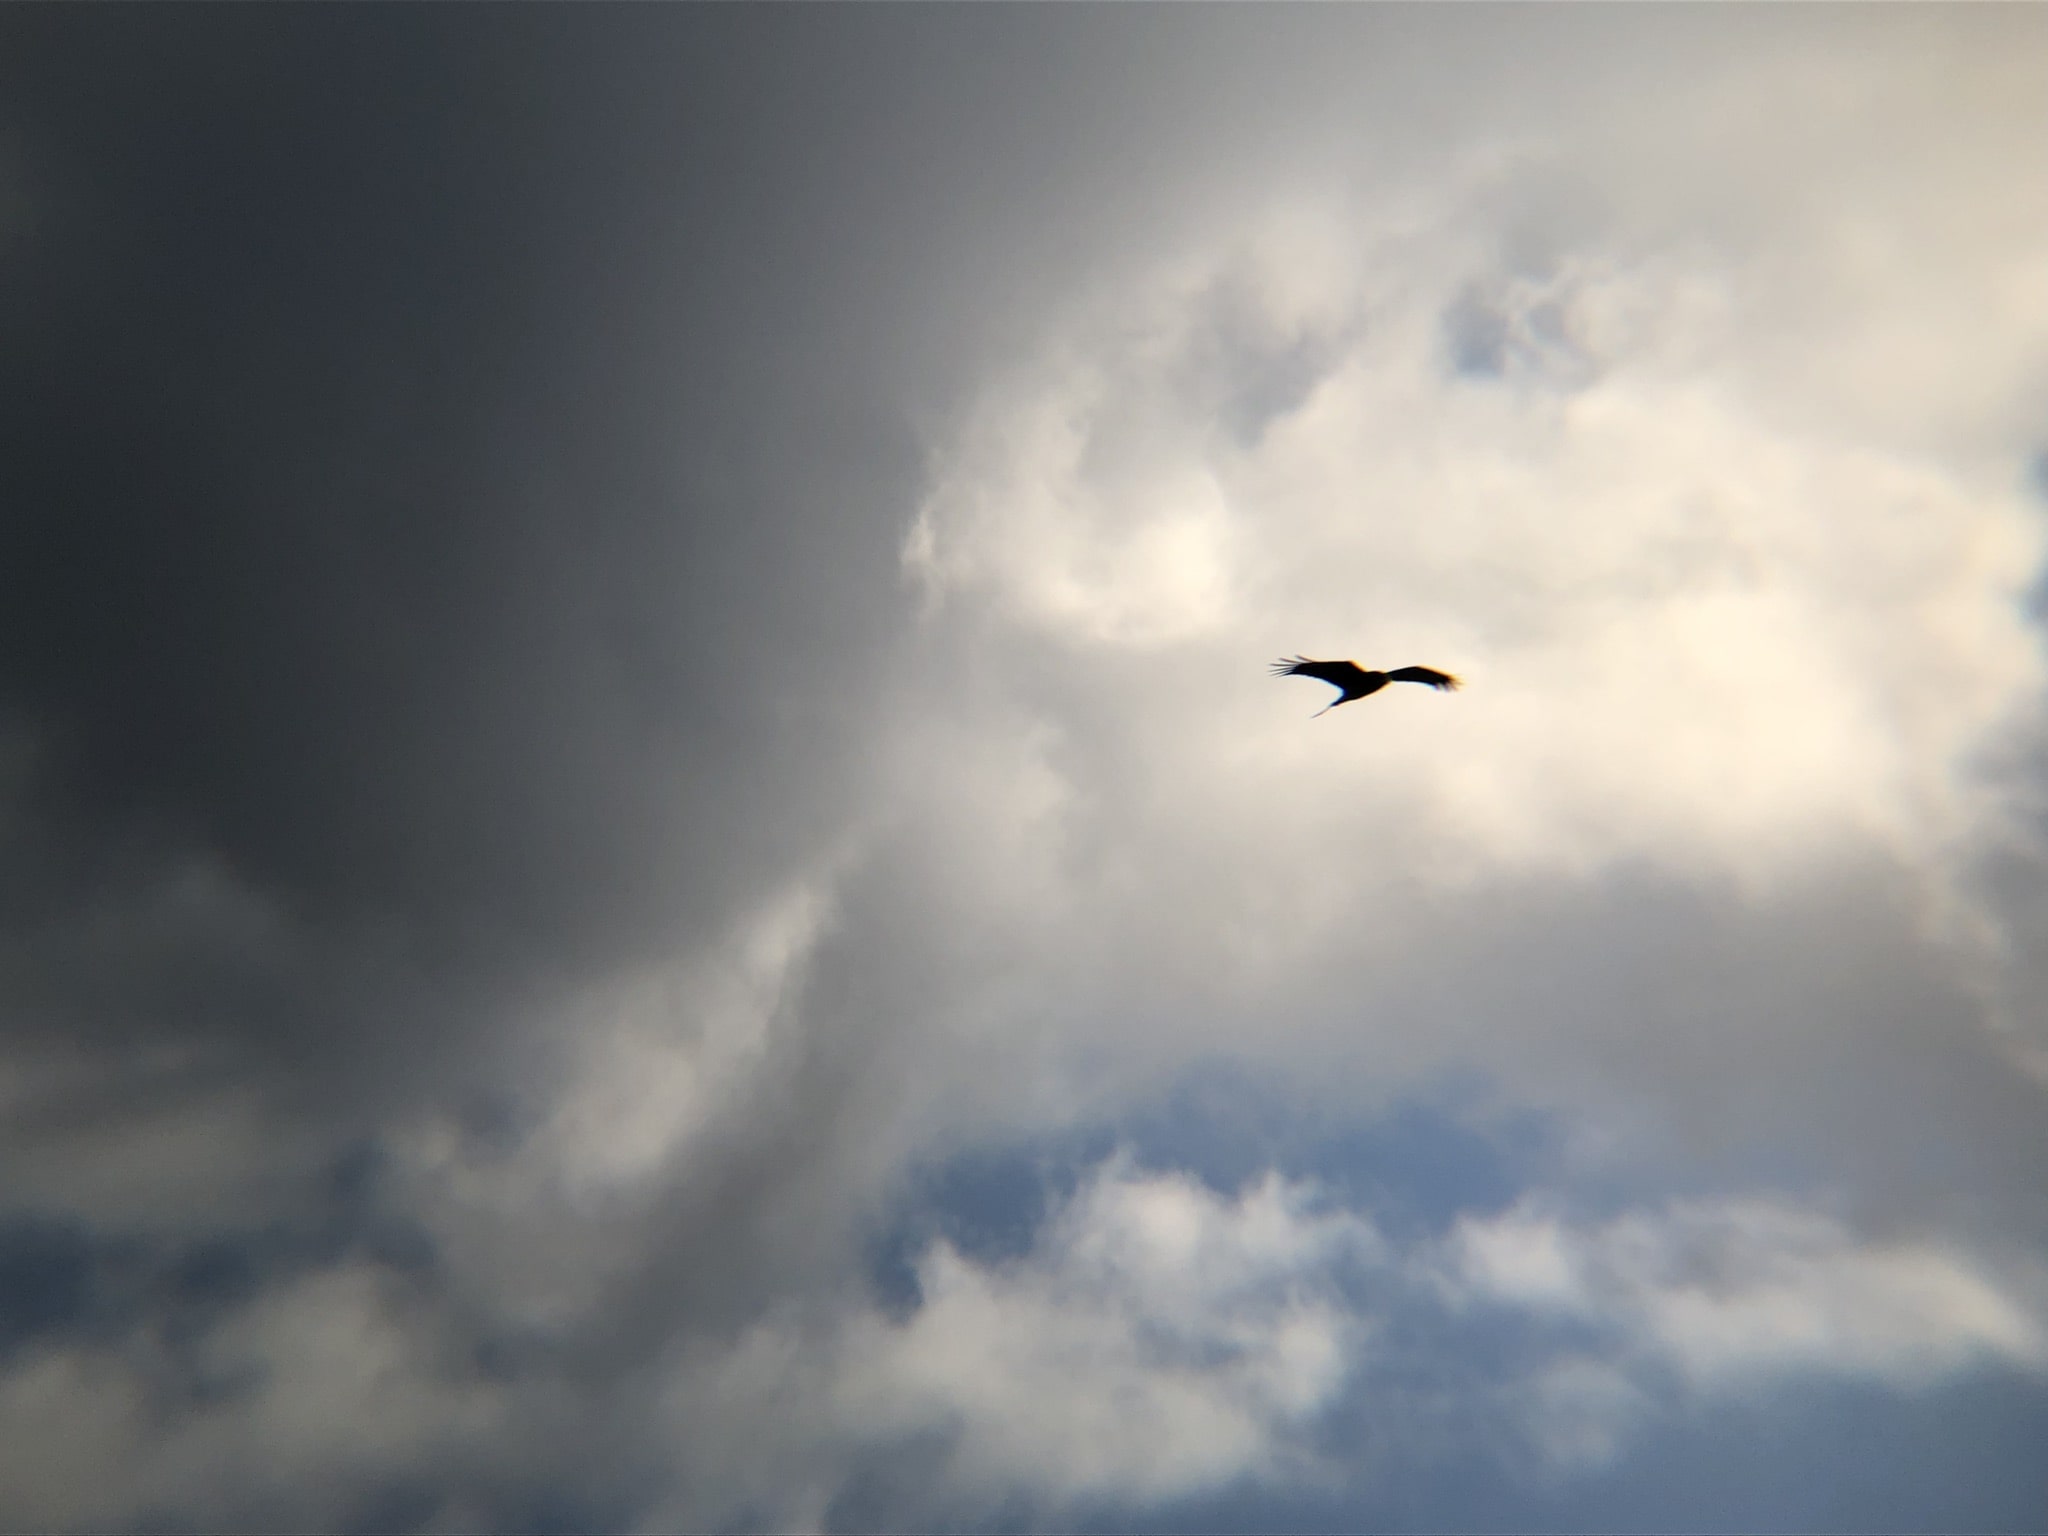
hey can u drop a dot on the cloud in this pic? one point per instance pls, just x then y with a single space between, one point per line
290 1408
1727 630
629 637
1729 639
1733 1290
1160 1341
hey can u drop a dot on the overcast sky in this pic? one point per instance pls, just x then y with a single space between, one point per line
650 878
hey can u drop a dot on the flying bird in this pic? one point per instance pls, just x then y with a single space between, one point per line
1354 682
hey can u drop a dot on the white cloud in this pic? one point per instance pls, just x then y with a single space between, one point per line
1159 1339
1697 629
1726 623
1732 1292
1162 1340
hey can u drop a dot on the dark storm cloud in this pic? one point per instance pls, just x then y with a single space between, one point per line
452 468
395 511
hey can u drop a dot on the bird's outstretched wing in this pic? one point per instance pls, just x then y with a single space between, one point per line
1428 675
1339 674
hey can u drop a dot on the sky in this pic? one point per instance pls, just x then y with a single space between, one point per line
650 878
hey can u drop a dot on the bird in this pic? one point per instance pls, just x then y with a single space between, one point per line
1354 682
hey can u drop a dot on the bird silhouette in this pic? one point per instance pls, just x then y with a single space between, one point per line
1354 682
